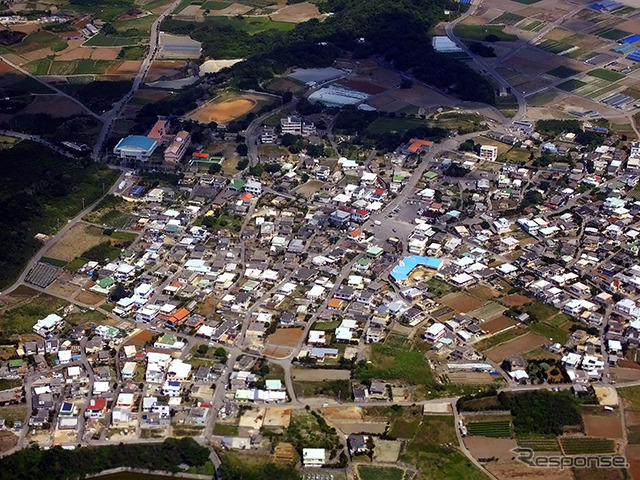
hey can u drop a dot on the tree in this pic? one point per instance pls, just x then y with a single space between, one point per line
242 149
202 350
370 446
242 164
215 168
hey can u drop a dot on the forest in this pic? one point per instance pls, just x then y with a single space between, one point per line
60 464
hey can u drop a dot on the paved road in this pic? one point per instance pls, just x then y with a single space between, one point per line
39 139
112 115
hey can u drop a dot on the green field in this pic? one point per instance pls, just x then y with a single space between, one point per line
534 26
605 74
41 39
562 72
540 444
508 18
88 67
554 46
495 429
62 67
611 33
386 124
582 445
479 32
40 66
214 5
549 331
389 363
132 53
103 41
404 428
368 472
571 85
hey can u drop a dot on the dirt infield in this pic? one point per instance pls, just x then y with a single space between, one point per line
297 13
75 242
225 111
607 426
460 302
54 105
515 300
521 344
484 447
498 324
319 375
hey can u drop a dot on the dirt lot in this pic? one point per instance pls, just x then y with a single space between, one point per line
308 189
89 298
319 375
607 426
8 440
140 338
515 300
483 292
498 324
231 11
277 417
54 105
285 337
61 288
105 53
160 68
484 447
342 413
470 378
353 428
521 344
460 302
75 242
226 110
74 53
625 374
519 471
296 13
488 311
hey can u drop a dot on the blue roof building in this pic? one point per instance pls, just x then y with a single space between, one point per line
135 147
401 271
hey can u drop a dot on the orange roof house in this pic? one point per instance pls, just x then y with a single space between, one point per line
416 145
336 303
159 130
178 317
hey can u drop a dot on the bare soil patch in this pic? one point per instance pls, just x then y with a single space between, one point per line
76 53
342 413
105 53
223 112
625 374
519 471
89 298
470 378
483 292
521 344
460 302
605 426
515 300
632 453
124 67
8 440
498 324
54 105
296 13
64 289
286 337
485 447
75 242
319 375
308 189
140 338
231 10
277 417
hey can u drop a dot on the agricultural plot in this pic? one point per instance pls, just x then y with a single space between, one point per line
102 41
555 46
563 72
595 88
540 444
495 429
571 85
488 311
582 445
529 26
480 32
605 74
508 18
610 33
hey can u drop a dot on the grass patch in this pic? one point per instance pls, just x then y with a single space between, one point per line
88 67
540 311
404 428
605 74
214 5
9 383
563 72
251 25
21 319
369 472
339 389
225 430
40 66
132 53
499 338
325 326
104 41
550 332
388 363
632 396
571 85
480 32
386 124
439 288
42 39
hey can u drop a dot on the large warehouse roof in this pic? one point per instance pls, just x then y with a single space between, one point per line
137 141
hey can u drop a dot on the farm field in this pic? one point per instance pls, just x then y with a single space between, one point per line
540 444
581 445
521 344
480 32
497 429
460 302
368 472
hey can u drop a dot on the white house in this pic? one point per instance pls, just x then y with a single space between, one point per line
435 332
313 457
47 325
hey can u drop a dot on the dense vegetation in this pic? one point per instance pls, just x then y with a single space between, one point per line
395 30
553 128
60 464
233 468
542 412
100 96
39 191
